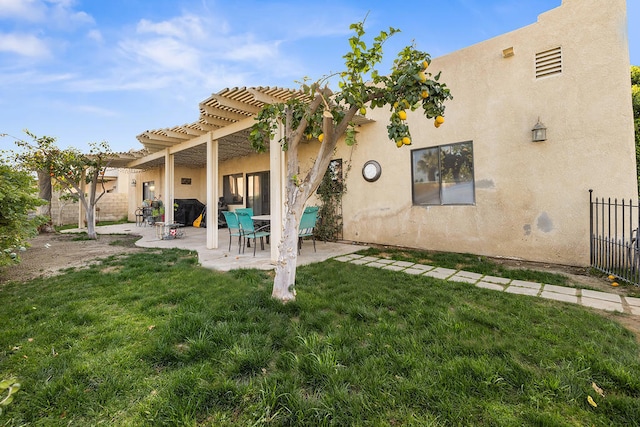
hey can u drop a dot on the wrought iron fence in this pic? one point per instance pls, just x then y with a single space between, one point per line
614 243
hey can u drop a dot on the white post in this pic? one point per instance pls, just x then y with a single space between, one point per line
169 186
277 189
212 193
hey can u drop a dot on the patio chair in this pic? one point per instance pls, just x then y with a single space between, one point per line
246 210
307 225
250 232
234 228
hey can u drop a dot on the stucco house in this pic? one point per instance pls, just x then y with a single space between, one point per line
480 183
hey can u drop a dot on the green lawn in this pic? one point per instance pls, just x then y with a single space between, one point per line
153 339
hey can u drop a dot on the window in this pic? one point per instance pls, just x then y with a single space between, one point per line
233 189
148 190
443 175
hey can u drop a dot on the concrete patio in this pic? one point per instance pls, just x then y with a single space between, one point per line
222 259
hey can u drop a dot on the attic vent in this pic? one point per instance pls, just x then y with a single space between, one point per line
549 62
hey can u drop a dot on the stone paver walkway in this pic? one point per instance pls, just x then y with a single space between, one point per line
588 298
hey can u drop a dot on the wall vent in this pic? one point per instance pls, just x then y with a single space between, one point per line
549 62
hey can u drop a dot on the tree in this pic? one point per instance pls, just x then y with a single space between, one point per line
69 170
327 116
635 96
18 199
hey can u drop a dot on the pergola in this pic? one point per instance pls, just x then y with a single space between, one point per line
221 133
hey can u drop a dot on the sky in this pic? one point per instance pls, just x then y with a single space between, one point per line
87 71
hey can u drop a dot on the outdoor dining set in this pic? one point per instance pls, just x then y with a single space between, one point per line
244 225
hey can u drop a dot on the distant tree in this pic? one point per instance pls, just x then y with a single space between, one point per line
69 170
326 116
635 94
18 200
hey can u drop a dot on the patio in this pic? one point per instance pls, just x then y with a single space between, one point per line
222 259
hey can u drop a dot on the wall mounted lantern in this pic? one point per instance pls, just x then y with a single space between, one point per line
133 182
539 132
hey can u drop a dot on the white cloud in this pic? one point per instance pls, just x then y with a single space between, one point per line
187 27
250 50
57 13
95 111
165 52
26 45
95 35
27 10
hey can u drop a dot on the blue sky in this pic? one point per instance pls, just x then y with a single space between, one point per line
92 70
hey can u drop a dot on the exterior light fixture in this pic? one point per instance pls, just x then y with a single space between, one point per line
508 52
539 132
133 182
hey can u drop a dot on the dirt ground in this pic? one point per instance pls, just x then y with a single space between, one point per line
50 253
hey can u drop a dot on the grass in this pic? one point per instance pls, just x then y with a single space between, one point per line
153 339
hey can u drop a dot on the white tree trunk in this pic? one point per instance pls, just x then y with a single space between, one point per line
284 282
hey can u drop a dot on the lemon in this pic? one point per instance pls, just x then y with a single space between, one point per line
402 115
611 277
436 124
363 111
425 94
440 120
406 140
614 284
321 137
422 76
399 143
425 64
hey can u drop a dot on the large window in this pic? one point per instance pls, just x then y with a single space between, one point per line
443 175
233 189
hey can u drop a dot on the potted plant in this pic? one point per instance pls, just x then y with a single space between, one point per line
157 210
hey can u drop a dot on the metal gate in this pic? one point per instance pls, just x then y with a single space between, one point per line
614 243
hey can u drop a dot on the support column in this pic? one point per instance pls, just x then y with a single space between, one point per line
212 193
277 189
169 186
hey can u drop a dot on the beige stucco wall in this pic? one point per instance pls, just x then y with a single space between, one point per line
531 198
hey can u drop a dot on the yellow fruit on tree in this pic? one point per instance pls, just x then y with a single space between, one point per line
402 115
399 143
425 64
422 76
436 124
440 119
406 140
395 104
363 111
425 94
321 137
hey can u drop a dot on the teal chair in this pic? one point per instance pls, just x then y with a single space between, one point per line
246 210
307 225
234 228
250 232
